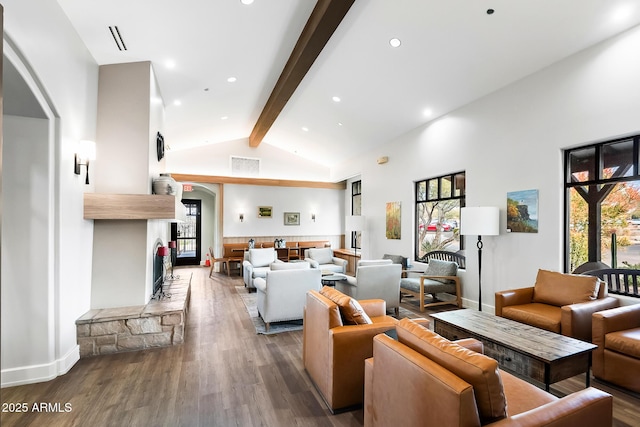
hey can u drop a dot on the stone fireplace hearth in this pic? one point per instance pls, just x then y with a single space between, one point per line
160 323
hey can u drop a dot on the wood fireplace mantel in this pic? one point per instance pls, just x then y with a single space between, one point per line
129 206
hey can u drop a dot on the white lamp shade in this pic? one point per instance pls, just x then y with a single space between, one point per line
354 223
480 221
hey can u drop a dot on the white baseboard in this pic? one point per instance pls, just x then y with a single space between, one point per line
39 373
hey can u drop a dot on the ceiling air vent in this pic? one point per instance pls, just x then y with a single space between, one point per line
245 166
115 33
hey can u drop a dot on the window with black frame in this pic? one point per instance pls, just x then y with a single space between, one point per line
602 202
438 203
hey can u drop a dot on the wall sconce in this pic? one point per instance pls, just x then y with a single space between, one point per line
86 152
241 217
313 217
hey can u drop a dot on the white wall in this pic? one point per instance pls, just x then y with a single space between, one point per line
510 140
215 160
28 340
328 205
119 257
65 69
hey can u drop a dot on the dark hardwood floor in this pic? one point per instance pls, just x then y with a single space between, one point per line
223 375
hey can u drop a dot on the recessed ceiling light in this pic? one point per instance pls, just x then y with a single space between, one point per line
395 42
336 99
339 123
177 102
246 1
170 64
206 89
224 117
306 129
490 11
231 79
427 112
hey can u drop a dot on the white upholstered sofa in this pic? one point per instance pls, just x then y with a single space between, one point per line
374 279
323 259
282 292
256 264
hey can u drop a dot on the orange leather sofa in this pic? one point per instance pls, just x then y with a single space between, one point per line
422 379
334 353
561 303
616 332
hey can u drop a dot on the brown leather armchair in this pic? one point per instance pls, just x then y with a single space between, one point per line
561 303
616 332
334 353
423 379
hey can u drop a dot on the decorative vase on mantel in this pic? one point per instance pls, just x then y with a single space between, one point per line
165 184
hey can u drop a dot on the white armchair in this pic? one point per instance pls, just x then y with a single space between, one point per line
256 264
282 293
323 259
374 279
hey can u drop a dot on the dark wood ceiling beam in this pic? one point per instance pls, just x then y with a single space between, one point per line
322 23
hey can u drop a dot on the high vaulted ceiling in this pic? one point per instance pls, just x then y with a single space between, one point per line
452 53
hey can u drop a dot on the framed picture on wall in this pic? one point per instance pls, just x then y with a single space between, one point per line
265 211
393 220
522 211
292 218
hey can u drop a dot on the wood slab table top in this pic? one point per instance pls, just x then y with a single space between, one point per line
526 350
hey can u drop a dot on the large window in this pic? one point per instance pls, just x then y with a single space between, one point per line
602 200
438 203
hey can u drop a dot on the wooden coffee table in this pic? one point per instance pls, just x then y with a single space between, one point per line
524 350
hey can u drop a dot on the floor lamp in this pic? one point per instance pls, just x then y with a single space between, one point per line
480 221
354 223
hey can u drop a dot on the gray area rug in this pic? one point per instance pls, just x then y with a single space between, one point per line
250 302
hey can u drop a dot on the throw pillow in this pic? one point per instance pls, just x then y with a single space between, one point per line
354 314
563 289
437 267
351 311
475 368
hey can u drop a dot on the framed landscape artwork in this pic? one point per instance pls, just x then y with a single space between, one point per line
393 220
522 211
292 218
265 211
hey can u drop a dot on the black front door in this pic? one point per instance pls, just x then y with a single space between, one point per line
187 234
